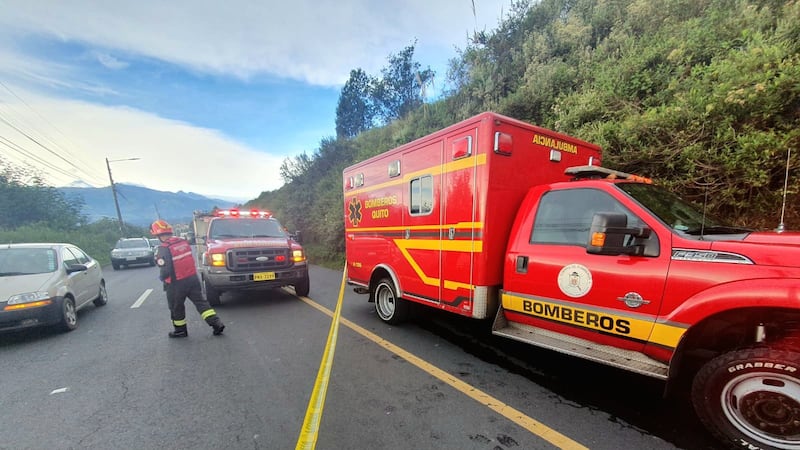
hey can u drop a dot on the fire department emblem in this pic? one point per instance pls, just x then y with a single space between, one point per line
575 280
354 209
160 261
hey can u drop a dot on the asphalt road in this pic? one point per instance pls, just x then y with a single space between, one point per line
437 382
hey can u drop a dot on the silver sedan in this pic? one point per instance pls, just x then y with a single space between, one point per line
46 284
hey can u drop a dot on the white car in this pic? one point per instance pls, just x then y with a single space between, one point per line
129 251
46 284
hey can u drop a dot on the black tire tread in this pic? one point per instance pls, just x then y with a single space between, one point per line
715 368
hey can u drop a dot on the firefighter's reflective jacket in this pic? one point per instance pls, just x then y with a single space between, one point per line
175 259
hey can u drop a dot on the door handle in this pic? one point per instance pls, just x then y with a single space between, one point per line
522 264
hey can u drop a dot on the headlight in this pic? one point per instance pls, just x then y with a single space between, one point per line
218 259
28 297
298 256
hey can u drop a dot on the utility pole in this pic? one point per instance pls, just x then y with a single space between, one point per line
114 191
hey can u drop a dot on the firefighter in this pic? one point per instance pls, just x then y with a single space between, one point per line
177 271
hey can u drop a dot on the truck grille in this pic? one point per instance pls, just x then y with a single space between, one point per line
257 259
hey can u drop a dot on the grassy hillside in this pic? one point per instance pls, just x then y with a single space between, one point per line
701 95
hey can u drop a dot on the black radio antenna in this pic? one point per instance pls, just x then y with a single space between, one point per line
781 226
705 206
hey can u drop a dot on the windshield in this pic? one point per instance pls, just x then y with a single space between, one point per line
246 228
677 213
26 261
132 243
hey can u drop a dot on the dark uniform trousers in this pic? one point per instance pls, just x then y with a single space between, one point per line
177 250
178 291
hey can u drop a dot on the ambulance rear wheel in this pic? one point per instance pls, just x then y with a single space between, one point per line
389 306
750 398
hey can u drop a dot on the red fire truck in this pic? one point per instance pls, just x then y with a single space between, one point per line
496 218
246 250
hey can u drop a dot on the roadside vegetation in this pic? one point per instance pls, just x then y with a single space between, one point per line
701 95
36 212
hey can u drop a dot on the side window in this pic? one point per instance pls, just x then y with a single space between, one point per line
421 195
80 256
68 258
564 217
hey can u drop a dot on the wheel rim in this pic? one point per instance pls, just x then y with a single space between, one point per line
765 407
103 294
385 301
70 316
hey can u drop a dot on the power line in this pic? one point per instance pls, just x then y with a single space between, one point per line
69 163
64 149
21 150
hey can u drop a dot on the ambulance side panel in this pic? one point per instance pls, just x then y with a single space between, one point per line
436 213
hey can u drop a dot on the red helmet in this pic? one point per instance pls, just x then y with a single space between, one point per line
160 227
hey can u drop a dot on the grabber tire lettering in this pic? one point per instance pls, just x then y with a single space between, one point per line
750 398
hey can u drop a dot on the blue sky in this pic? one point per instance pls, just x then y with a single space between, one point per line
211 96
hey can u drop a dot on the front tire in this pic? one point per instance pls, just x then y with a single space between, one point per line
212 295
303 287
390 307
69 315
750 398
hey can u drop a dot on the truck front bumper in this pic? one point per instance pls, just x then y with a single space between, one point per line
223 280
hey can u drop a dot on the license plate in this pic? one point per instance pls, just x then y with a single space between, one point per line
263 276
131 258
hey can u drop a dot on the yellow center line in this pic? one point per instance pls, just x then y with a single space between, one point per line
518 417
310 429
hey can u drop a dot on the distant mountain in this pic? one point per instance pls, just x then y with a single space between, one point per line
140 205
79 184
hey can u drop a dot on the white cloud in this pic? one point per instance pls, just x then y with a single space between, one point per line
173 155
314 41
32 70
109 61
310 40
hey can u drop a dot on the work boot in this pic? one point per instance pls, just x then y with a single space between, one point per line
179 333
217 325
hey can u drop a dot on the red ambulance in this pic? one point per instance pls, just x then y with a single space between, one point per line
494 218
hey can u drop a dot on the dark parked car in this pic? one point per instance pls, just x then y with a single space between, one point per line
130 251
46 284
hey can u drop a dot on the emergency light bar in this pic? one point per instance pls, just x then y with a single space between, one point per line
597 172
256 213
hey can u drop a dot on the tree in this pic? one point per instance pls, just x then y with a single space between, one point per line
25 200
293 169
400 91
355 111
701 95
